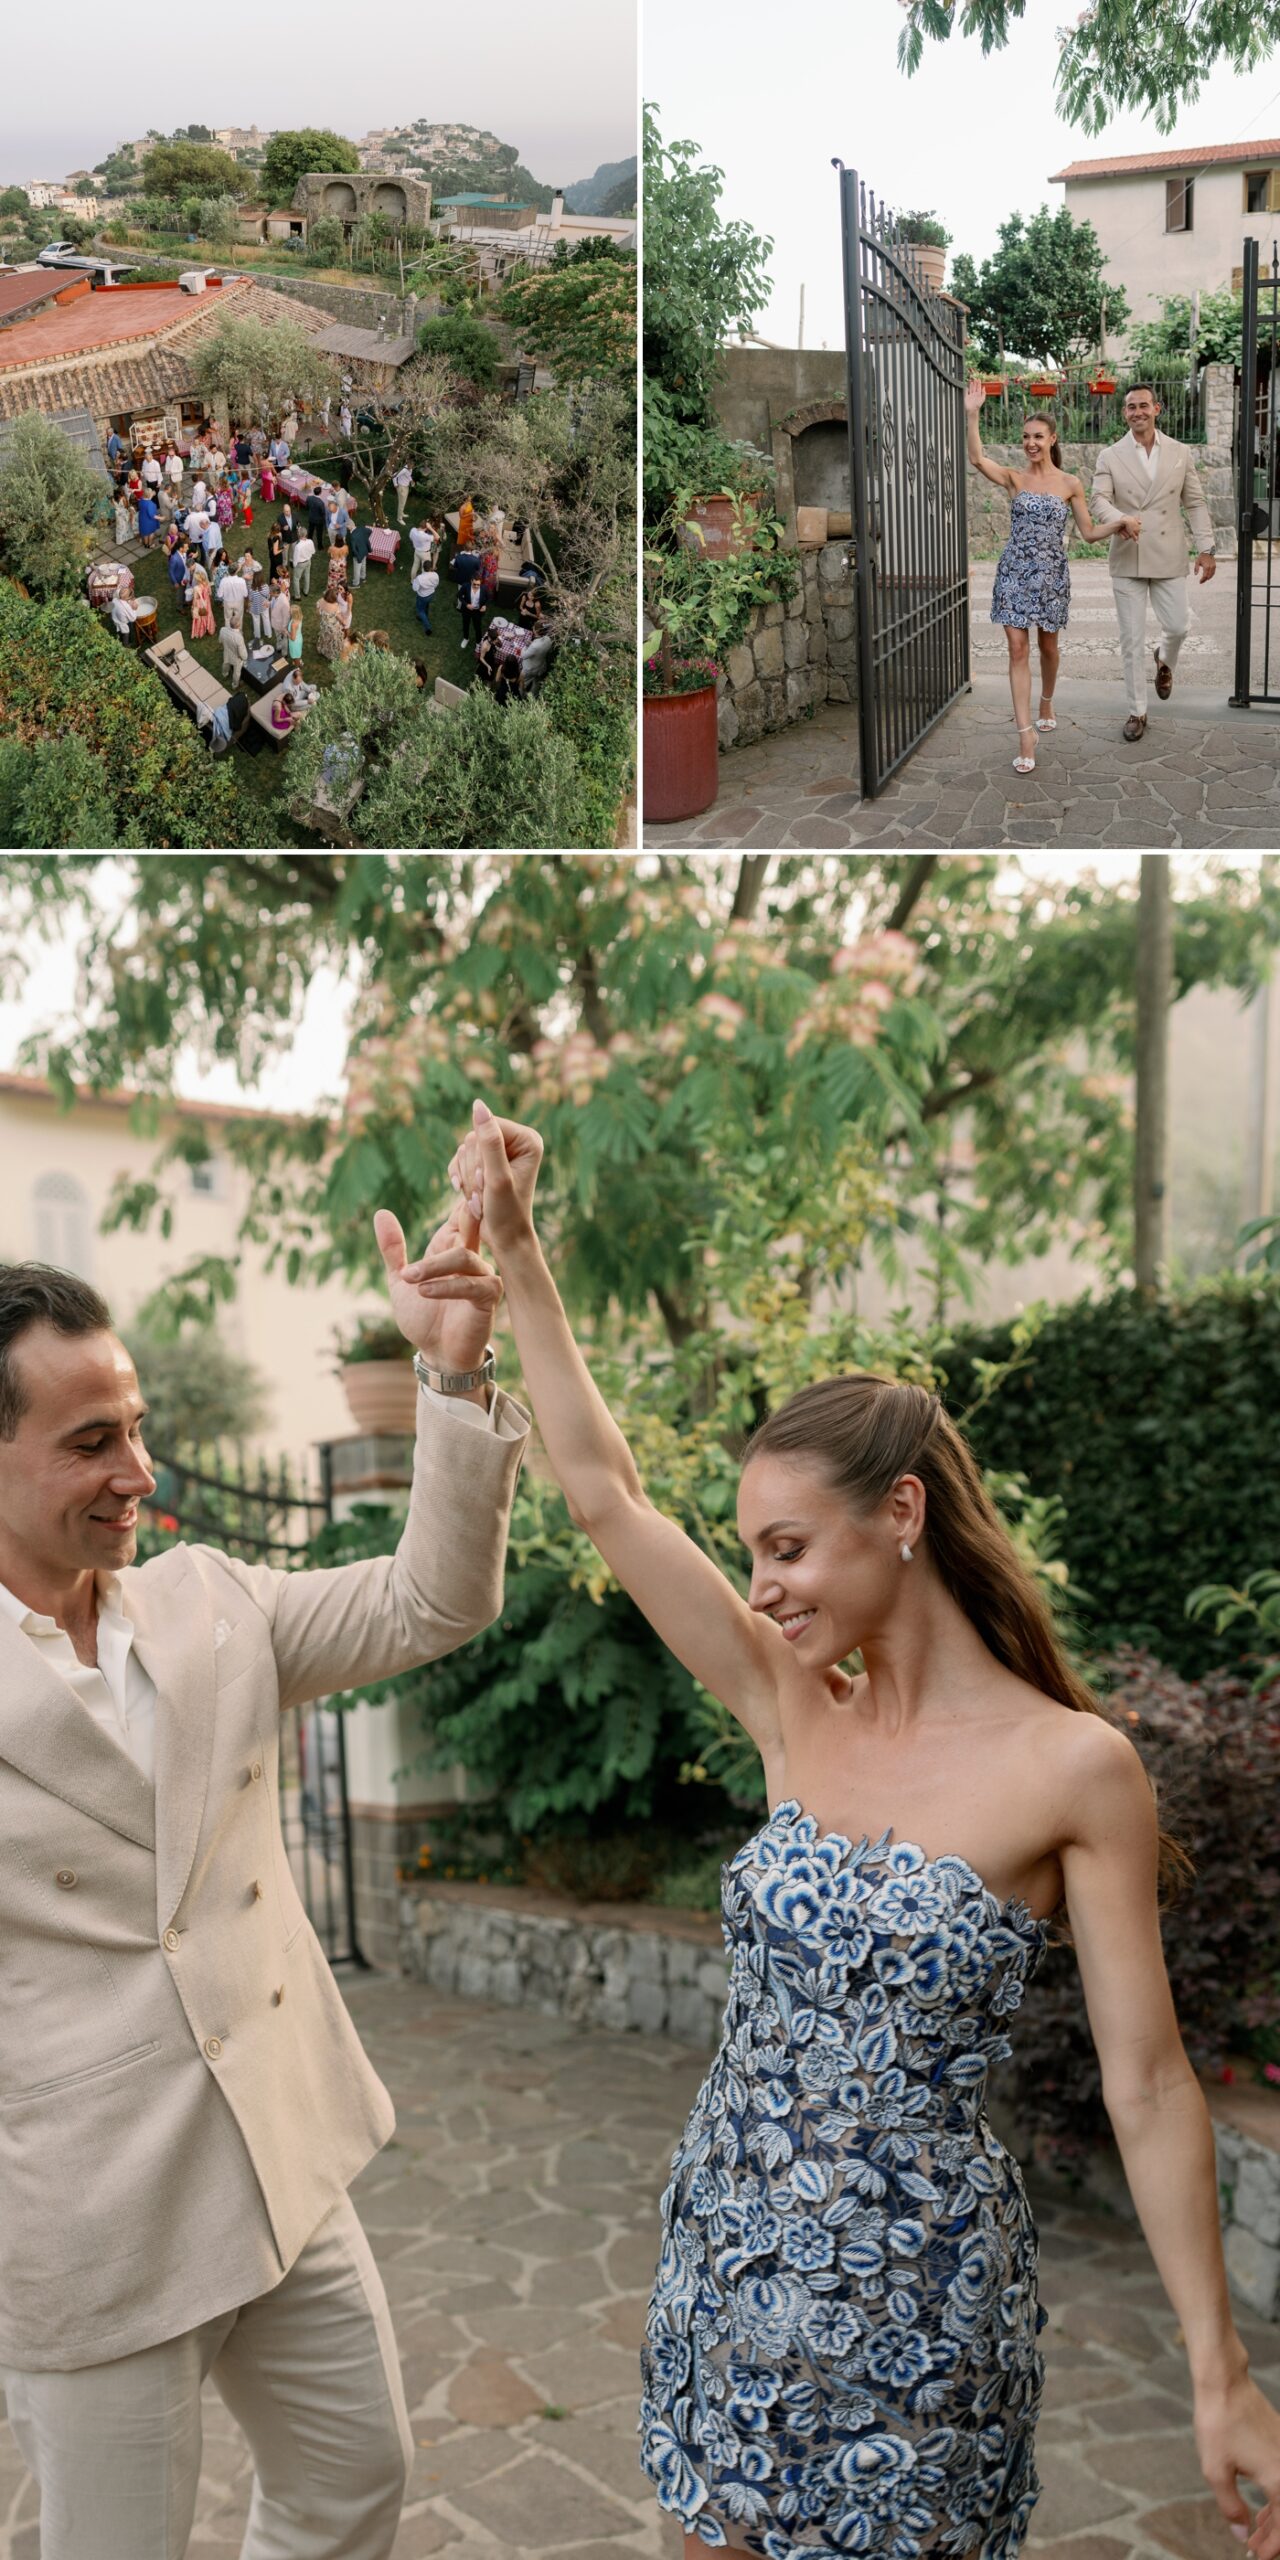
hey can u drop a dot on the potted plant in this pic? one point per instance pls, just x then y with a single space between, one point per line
681 735
1102 382
993 384
927 238
375 1366
1043 388
731 488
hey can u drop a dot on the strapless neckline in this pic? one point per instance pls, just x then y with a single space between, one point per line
947 1859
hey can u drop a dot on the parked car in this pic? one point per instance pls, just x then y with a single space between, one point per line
63 253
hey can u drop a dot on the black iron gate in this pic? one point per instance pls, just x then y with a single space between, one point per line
906 371
1258 486
269 1523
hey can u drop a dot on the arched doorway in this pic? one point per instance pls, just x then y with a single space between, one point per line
339 198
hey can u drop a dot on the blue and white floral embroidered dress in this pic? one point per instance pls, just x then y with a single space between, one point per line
841 2351
1032 584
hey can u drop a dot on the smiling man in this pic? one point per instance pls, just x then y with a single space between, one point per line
183 2100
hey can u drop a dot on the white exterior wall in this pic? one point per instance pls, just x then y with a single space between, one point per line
1128 214
59 1172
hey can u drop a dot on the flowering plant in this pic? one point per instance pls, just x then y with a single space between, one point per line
679 675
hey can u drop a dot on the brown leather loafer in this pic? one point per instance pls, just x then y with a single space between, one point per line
1135 727
1164 679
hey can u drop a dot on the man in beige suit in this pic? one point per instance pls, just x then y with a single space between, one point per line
183 2100
1150 476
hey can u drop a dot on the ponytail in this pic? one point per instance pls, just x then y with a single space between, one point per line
866 1432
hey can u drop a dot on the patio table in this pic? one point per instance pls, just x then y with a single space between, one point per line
384 542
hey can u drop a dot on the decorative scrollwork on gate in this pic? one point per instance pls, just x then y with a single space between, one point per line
887 431
913 455
948 486
931 475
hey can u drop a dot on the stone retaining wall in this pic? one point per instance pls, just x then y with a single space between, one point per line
988 506
360 306
794 655
631 1966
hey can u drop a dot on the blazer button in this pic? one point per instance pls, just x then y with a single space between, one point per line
256 1770
213 2047
277 1997
67 1876
172 1941
256 1890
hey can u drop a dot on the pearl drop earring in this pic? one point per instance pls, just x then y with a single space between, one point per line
905 1552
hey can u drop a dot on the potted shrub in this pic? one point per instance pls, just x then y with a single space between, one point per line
1103 382
1042 388
929 242
730 493
376 1369
993 384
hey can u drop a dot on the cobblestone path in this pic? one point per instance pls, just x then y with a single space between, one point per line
515 2219
1203 775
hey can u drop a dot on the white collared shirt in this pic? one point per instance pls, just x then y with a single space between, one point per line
119 1694
1149 461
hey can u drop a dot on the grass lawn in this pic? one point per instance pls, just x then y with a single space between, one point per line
384 603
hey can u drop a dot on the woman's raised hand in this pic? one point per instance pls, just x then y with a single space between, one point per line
975 393
496 1171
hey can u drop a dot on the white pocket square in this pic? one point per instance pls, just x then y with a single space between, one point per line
221 1632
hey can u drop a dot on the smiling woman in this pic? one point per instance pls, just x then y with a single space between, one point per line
842 2346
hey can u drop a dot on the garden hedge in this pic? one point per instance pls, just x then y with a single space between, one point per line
1155 1425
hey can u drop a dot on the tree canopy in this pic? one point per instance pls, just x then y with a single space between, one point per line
1219 328
1041 294
293 155
934 1048
258 368
1119 54
14 200
703 276
579 319
190 168
50 495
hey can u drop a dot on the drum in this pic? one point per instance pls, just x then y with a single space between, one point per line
144 629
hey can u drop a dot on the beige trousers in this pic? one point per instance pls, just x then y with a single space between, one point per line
309 2371
1169 600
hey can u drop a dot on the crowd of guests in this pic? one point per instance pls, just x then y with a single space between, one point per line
200 509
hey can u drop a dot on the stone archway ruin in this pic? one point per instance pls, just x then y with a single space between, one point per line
816 475
389 200
340 198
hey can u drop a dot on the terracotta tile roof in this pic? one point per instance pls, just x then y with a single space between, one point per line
1205 155
150 374
23 291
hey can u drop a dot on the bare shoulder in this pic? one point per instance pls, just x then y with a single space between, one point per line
1103 1785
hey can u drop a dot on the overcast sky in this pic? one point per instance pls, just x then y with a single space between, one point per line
974 138
560 84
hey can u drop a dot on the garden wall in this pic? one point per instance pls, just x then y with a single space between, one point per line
794 655
627 1966
359 306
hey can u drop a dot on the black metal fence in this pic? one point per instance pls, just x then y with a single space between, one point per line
906 371
1257 463
1088 416
213 1497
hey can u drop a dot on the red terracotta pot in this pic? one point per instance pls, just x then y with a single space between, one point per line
1043 390
1103 384
681 755
993 384
721 525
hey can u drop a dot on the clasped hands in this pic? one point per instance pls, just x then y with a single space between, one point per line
445 1302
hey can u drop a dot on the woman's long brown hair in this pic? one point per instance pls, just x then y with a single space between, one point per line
866 1432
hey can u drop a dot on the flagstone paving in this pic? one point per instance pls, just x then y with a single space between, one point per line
1203 775
515 2219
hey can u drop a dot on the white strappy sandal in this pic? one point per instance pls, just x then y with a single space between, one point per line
1024 764
1044 724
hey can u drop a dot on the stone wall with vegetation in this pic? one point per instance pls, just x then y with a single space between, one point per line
794 655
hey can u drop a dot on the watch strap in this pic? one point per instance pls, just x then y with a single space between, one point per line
456 1382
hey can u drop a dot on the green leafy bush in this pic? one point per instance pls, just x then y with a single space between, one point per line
468 345
1213 1751
1155 1426
589 697
62 676
50 497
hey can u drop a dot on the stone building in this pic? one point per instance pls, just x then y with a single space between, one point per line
350 195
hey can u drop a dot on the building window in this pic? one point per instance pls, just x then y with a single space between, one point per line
1262 191
206 1178
1178 203
63 1226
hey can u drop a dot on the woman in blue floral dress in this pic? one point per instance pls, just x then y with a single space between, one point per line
1032 589
842 2348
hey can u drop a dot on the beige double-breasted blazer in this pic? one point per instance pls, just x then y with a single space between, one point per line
1122 484
182 2095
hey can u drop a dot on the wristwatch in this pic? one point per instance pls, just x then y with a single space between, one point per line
456 1382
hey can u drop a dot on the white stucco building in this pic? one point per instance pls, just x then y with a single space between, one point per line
1175 220
504 235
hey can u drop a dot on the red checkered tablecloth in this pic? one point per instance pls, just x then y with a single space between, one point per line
384 542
